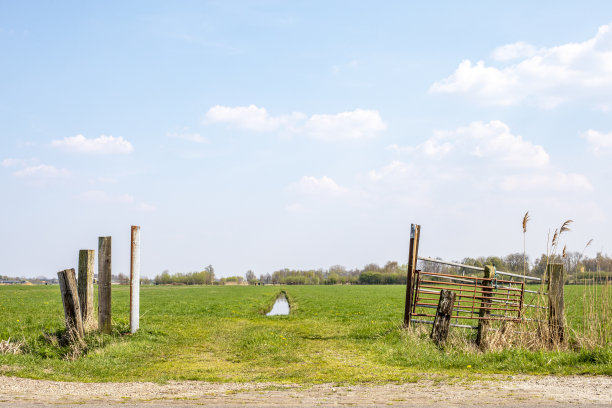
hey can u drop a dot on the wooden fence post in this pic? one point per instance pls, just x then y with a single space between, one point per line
104 284
413 253
556 302
70 300
85 287
439 332
483 324
135 280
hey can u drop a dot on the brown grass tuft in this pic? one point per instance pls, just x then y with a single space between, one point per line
11 347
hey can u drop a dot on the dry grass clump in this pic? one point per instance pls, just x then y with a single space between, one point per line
11 346
596 328
74 346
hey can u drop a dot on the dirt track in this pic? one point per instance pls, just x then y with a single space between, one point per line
502 390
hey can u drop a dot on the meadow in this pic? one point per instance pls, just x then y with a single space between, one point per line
336 333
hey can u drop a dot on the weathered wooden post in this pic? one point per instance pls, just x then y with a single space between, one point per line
135 280
104 284
85 286
70 300
413 253
439 332
556 323
482 338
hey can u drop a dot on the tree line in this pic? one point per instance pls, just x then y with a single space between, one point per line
579 269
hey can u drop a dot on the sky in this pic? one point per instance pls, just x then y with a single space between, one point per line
269 134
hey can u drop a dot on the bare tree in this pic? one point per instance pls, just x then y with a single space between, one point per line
250 277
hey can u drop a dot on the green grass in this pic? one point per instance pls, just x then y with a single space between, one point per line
340 334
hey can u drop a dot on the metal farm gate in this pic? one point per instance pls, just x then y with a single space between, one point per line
496 296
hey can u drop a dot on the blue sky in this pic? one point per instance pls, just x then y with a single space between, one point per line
263 135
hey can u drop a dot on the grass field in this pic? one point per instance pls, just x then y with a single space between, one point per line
340 334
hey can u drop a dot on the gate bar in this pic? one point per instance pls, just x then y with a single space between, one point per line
476 268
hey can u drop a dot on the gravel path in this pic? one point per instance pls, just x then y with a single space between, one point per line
507 391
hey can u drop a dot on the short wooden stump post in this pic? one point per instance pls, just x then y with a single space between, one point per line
70 300
556 321
86 288
439 332
104 285
482 338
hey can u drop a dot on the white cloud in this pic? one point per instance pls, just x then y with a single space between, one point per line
514 51
42 171
359 123
320 186
495 142
250 118
489 142
101 145
18 162
432 147
486 155
599 143
543 76
396 170
189 136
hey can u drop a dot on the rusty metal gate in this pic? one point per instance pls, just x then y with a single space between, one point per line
497 296
501 298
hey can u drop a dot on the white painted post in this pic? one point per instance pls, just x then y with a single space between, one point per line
135 280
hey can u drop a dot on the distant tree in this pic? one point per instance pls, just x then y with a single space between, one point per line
539 265
231 280
339 269
571 261
371 267
265 279
497 262
163 279
123 279
211 274
250 277
514 262
333 278
390 267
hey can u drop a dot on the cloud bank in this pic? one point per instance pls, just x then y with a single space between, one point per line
101 145
599 143
350 125
542 76
42 171
486 154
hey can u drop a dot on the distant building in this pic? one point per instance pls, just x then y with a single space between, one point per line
12 282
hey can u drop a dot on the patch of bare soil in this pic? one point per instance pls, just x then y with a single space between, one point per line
499 391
